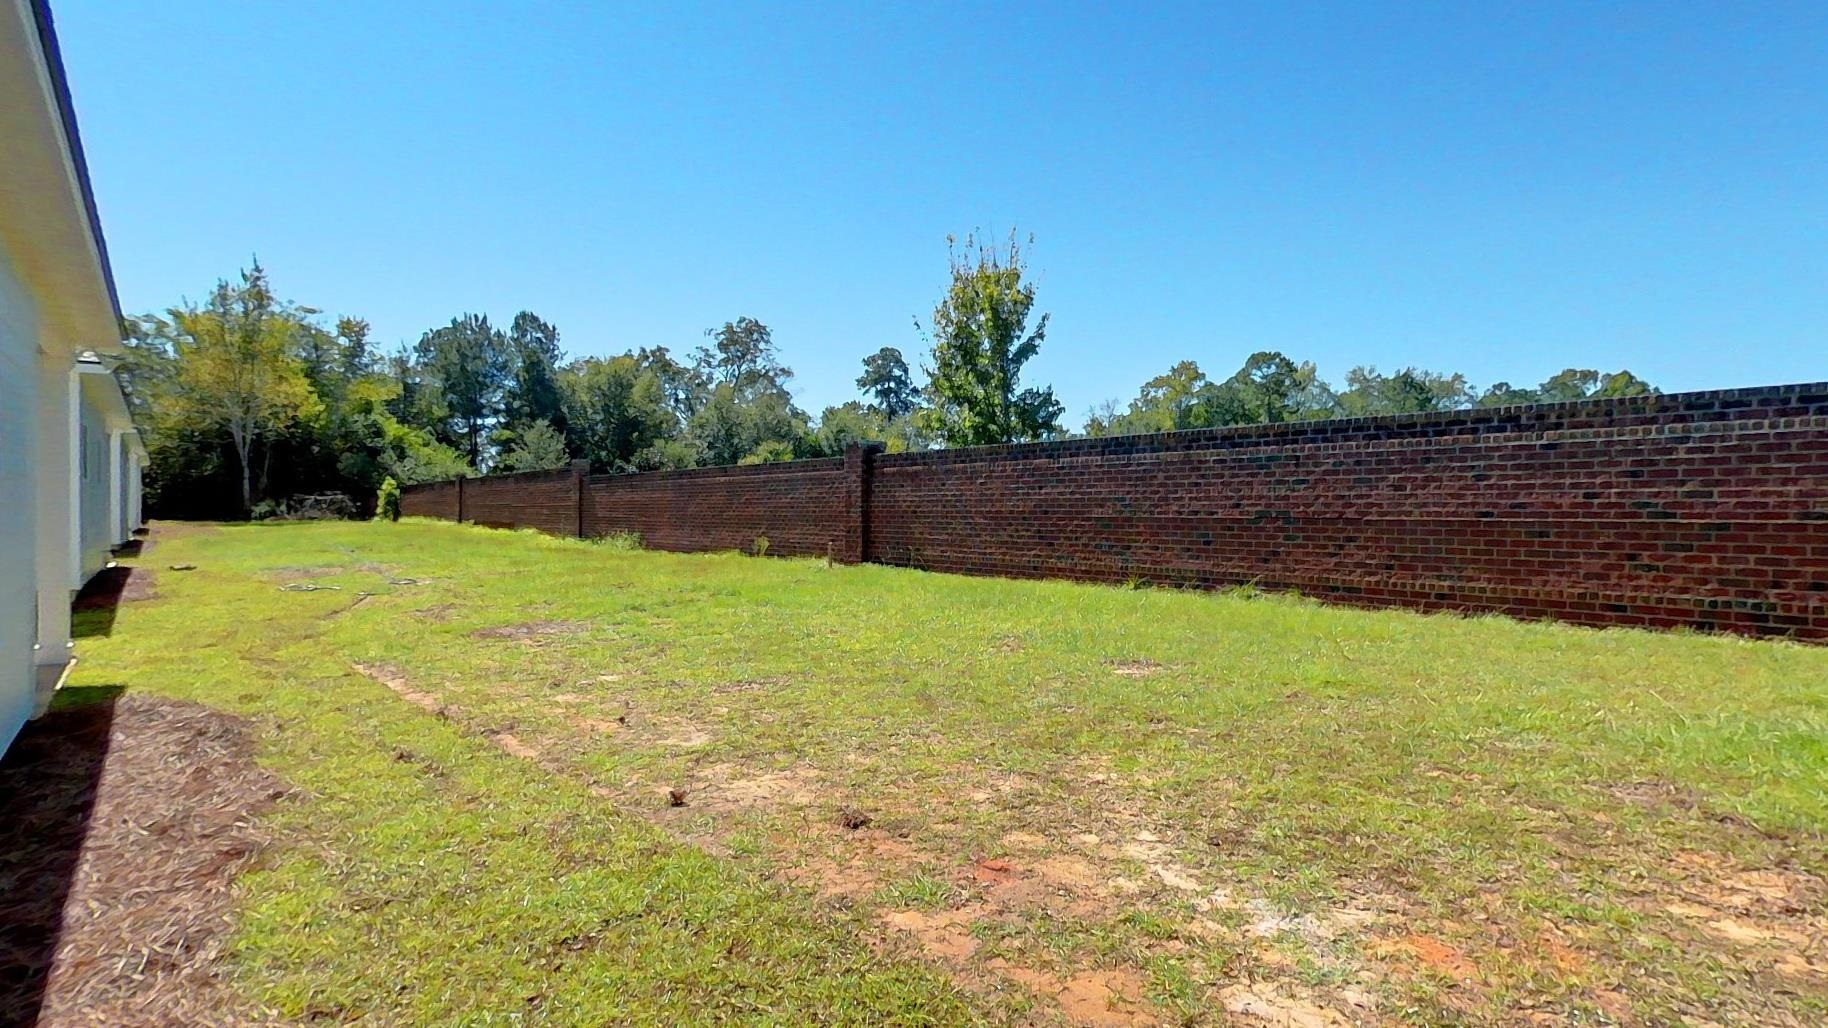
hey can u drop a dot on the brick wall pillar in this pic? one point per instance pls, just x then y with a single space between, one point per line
858 460
579 469
460 500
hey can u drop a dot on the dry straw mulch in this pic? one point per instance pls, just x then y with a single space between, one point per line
123 822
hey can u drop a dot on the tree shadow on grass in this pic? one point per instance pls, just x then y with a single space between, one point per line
48 784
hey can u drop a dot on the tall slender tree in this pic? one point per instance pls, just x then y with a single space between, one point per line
885 379
468 360
981 340
742 356
532 391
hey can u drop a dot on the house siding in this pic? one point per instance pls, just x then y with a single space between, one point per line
18 492
92 466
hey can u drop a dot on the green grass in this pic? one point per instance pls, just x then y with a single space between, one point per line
1229 788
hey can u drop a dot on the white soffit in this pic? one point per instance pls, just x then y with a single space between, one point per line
46 223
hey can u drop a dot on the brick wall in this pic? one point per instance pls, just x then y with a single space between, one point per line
799 507
432 500
1702 509
546 500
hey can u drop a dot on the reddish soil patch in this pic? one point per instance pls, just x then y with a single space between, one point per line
945 933
1435 955
123 823
1098 999
397 682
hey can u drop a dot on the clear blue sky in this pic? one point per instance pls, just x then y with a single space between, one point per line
1500 190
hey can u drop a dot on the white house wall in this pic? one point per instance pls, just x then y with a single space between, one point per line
18 514
56 301
94 496
118 466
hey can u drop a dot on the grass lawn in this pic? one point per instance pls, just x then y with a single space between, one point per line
555 782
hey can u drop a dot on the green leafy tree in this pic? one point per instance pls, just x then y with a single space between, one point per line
411 455
358 359
1504 394
536 446
742 356
885 379
741 400
320 356
1410 390
848 423
1269 388
1569 384
618 415
1167 402
469 361
770 451
532 390
685 386
728 429
1623 383
235 369
981 341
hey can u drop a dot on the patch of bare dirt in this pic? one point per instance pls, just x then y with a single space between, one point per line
531 630
1137 668
1760 892
945 934
1773 918
397 683
1651 793
846 854
1109 998
1439 957
159 530
436 612
511 744
684 736
1263 1002
298 573
123 824
729 787
865 860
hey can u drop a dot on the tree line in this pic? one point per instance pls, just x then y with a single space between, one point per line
1270 387
245 399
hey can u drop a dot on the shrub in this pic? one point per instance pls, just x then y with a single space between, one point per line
387 503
